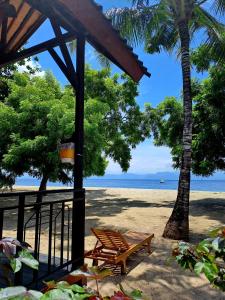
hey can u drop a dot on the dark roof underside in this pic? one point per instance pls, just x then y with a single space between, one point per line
75 16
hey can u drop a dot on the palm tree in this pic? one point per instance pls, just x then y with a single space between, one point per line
170 25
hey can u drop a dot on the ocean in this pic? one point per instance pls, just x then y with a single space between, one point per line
196 185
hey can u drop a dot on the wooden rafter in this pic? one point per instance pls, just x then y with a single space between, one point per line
20 28
66 71
63 47
4 32
77 17
15 57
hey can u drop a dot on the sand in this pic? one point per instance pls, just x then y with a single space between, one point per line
148 211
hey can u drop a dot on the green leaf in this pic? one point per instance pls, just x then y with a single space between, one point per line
136 295
210 271
183 247
16 265
199 268
28 259
215 244
101 274
60 285
11 292
81 296
35 294
58 294
204 246
215 231
78 289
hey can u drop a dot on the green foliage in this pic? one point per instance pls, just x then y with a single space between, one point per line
19 293
208 257
38 114
208 142
155 23
11 261
7 115
203 58
27 65
62 290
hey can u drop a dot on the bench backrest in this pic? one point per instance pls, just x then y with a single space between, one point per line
110 239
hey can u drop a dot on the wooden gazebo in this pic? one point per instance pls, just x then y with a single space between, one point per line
80 20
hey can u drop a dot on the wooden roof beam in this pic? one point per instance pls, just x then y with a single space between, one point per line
68 21
63 47
17 56
66 71
4 32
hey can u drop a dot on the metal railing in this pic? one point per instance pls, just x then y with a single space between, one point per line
43 220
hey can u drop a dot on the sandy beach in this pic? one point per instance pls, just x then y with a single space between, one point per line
148 211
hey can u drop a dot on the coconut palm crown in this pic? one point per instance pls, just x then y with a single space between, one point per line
170 25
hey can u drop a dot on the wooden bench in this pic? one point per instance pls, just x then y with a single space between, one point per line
114 248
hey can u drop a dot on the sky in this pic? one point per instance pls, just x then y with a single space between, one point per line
166 80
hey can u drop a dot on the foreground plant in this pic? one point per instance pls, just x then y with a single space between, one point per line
63 290
208 257
19 293
12 255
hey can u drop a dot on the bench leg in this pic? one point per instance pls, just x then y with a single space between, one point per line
124 267
149 249
95 263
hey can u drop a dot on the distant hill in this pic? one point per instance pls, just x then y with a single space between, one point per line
158 176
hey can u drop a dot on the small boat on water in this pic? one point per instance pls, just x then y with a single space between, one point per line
162 181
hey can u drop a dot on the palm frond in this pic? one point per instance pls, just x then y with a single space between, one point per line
219 6
72 46
161 31
205 19
104 61
215 31
140 3
131 22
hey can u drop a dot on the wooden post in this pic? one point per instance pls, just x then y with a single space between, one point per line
78 226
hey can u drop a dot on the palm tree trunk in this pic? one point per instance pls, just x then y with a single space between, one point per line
178 225
43 184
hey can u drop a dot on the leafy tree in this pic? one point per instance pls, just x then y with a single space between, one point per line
203 57
28 66
168 25
38 114
208 124
208 257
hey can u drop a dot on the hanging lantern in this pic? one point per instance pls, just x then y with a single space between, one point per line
67 152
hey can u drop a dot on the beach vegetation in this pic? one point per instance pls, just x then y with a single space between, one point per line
207 257
208 144
58 290
13 254
168 25
38 114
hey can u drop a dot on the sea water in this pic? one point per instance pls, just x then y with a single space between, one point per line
196 185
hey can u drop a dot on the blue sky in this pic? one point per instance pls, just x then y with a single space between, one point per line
166 80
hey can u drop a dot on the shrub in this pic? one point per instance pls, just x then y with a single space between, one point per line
207 257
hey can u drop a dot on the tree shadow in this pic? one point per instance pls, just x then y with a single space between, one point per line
103 204
213 208
158 280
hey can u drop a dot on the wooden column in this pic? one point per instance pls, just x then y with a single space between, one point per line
78 226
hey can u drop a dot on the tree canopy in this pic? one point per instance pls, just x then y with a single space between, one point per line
38 113
208 124
169 25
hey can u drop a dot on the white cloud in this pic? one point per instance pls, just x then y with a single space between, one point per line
33 64
146 158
